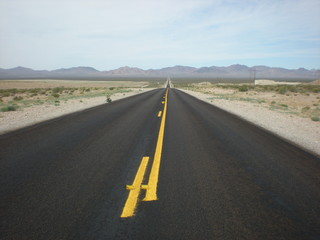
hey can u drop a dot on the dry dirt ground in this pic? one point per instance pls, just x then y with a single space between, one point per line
27 102
294 116
49 83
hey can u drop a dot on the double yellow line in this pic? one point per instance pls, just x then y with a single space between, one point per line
151 187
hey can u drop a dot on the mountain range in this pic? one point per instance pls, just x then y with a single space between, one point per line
233 71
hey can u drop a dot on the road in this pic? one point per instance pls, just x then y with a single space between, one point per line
218 176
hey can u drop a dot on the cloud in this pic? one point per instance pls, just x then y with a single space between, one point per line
105 33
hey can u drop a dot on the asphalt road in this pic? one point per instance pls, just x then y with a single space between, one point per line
220 177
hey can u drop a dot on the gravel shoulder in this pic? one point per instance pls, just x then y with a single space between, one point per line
24 117
298 130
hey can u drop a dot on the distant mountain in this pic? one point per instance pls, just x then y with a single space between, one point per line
177 70
125 71
27 73
74 72
211 70
21 72
233 71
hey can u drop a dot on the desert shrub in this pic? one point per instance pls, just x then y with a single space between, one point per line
108 100
9 108
8 92
58 90
56 95
292 88
305 109
38 102
316 119
243 88
17 98
5 93
282 90
33 90
111 88
269 88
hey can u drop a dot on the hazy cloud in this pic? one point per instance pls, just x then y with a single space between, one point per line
151 34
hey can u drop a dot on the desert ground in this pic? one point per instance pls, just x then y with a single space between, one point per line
50 83
27 102
292 111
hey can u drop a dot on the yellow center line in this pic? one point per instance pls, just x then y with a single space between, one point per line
134 189
151 187
151 193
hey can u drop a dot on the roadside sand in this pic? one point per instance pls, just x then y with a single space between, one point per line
301 131
49 83
10 121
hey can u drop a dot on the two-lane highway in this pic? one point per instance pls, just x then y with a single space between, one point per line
219 177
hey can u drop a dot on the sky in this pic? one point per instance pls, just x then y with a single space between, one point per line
152 34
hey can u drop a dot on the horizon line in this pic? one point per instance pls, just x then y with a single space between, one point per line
126 66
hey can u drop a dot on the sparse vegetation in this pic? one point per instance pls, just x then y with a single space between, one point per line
305 109
9 108
300 100
243 88
49 92
17 98
56 95
282 90
108 100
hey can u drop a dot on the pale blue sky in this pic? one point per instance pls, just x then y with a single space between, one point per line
107 34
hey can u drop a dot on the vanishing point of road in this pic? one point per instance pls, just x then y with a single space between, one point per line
158 165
